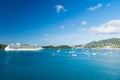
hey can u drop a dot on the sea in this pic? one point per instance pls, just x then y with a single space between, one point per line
64 64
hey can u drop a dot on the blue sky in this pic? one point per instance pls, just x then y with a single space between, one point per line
57 22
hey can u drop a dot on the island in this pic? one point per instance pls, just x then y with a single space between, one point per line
2 46
57 47
112 43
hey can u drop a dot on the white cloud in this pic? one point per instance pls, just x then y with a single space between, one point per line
62 27
108 5
84 23
93 8
110 27
60 8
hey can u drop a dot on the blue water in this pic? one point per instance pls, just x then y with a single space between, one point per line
41 65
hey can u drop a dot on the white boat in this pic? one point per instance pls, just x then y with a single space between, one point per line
74 54
22 47
71 51
94 54
58 51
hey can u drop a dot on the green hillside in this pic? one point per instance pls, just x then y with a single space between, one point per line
112 43
2 46
108 43
57 47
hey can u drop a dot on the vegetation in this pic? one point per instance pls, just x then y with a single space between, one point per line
49 47
80 46
63 46
111 43
108 43
2 46
57 47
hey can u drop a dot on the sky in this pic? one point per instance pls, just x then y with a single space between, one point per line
58 22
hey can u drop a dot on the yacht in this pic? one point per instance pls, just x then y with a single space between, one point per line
22 47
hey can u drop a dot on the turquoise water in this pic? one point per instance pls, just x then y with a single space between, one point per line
89 64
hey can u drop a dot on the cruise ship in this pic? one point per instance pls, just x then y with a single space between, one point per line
22 47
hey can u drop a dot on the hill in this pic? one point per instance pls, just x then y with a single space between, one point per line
108 43
2 46
57 47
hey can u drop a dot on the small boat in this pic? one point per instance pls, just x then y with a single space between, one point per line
94 54
58 51
74 54
86 53
105 54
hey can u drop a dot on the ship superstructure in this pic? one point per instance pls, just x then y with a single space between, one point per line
22 47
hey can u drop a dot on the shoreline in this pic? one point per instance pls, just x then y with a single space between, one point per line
64 48
107 48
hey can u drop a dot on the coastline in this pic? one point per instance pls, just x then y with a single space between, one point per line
107 48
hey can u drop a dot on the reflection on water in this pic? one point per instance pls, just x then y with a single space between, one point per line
87 64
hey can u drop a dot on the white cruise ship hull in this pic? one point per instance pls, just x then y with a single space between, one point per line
22 49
